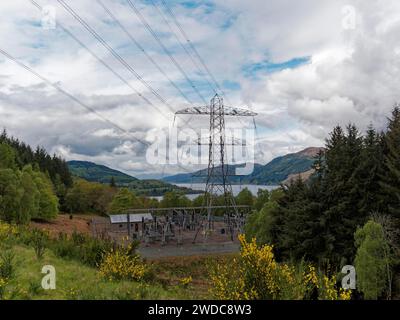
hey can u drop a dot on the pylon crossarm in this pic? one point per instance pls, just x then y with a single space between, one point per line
228 111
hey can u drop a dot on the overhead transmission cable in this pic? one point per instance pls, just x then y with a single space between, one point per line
71 96
114 53
165 49
111 70
191 45
79 102
141 48
40 8
188 53
101 61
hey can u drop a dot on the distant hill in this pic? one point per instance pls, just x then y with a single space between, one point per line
274 172
98 173
94 172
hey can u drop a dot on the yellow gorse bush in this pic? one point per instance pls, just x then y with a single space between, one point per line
186 281
119 264
7 230
255 274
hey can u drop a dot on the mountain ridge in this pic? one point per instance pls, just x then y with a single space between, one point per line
274 172
94 172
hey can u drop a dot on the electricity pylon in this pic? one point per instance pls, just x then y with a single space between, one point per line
217 172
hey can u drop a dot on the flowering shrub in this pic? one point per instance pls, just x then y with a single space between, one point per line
186 281
7 231
120 264
255 274
39 241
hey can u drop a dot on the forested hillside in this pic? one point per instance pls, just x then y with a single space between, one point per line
348 213
273 173
29 182
98 173
56 167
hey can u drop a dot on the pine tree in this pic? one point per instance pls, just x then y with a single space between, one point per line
112 182
372 260
390 178
7 157
366 176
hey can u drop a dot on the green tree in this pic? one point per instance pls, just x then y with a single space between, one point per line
30 198
372 260
342 216
124 200
48 201
245 198
262 224
365 176
390 179
262 199
7 157
174 199
299 231
10 195
76 198
112 182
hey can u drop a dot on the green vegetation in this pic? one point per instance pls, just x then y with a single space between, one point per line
255 274
101 174
123 200
325 221
297 239
373 261
88 268
52 166
273 173
91 197
25 193
75 281
97 173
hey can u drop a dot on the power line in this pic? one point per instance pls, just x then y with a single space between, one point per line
113 52
182 45
69 95
141 48
110 69
79 102
101 61
182 31
106 65
157 38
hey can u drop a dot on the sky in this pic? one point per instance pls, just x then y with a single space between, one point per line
303 66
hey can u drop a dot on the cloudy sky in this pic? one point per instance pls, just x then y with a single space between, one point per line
303 66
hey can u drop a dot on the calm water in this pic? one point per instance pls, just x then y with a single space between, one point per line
235 188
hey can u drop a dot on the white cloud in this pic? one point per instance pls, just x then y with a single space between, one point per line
352 75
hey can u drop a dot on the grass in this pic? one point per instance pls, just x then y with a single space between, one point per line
172 270
79 278
77 281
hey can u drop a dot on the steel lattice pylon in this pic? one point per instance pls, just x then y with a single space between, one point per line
217 173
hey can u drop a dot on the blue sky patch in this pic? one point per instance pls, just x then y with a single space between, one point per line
231 85
263 67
